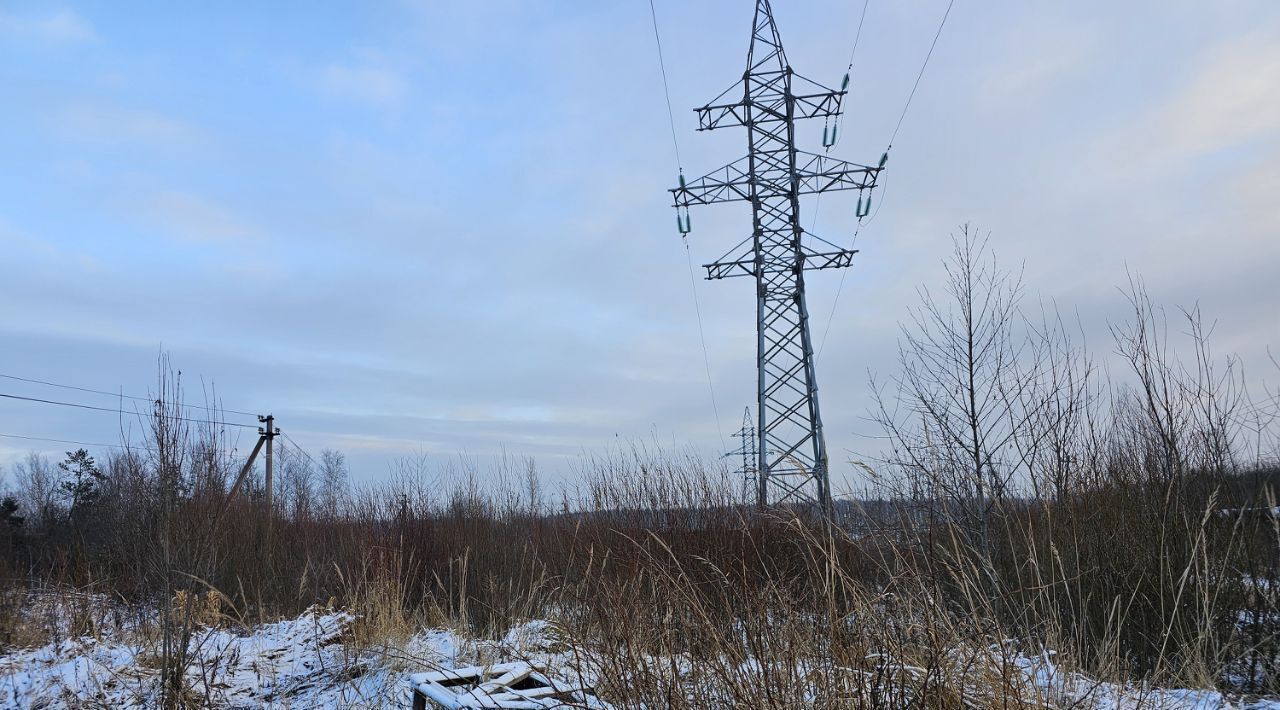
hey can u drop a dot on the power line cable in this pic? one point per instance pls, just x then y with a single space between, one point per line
919 76
693 282
300 449
861 18
840 119
706 358
120 411
77 443
666 89
152 400
834 302
845 272
906 106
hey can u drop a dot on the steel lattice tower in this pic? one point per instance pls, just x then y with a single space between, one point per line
791 452
747 450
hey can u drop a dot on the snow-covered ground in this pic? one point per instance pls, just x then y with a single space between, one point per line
308 662
293 663
298 663
1075 690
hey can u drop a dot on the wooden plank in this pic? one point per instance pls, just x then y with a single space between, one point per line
489 687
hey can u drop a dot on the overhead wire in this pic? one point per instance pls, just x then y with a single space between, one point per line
72 441
920 75
666 89
301 450
119 394
893 137
857 37
120 411
840 119
693 281
706 358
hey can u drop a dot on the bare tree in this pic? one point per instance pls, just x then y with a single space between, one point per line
334 482
297 482
1061 442
37 489
1191 417
968 388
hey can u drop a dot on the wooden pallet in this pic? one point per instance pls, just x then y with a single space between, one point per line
502 685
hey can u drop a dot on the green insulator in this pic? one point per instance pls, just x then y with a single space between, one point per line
834 129
884 158
845 84
857 212
868 211
682 180
824 135
679 224
687 228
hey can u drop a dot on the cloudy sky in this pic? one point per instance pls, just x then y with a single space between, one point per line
443 227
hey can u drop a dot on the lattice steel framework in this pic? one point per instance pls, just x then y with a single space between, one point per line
792 456
747 450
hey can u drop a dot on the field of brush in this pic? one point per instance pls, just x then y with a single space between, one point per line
1033 535
329 659
668 594
711 606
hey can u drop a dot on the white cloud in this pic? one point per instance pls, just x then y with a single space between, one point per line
194 218
1228 100
1255 191
108 125
18 243
364 84
1035 57
63 27
66 26
1232 99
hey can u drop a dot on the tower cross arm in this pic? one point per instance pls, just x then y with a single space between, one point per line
722 114
817 173
727 184
716 116
813 100
769 105
821 173
746 264
823 105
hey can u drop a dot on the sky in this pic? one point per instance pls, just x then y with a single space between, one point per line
442 229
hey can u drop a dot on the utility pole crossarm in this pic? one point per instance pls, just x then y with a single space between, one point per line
818 173
732 183
722 116
745 264
771 103
821 173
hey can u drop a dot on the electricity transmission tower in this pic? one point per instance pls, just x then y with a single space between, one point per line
791 454
747 450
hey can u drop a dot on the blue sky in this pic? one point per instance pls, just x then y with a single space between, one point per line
443 227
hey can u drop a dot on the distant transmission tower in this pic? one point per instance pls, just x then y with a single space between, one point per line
791 453
747 450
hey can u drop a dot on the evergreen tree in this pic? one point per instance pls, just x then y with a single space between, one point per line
82 481
9 513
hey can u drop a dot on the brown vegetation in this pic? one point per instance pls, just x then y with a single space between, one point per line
1026 503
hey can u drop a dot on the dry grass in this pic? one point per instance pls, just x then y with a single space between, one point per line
1128 529
720 606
